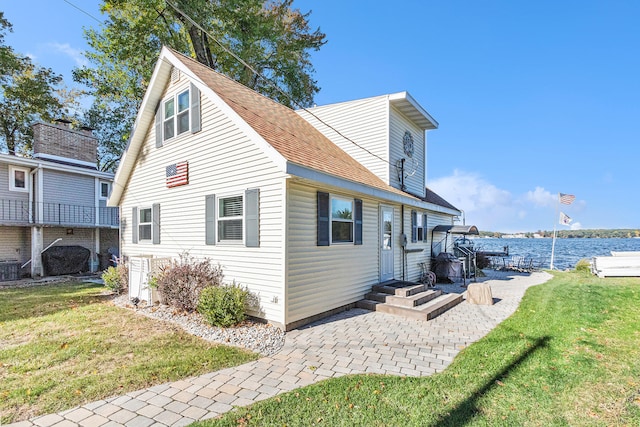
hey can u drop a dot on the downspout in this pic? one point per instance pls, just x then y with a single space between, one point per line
403 239
32 182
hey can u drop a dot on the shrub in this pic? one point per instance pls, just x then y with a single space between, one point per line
224 305
116 278
181 282
584 266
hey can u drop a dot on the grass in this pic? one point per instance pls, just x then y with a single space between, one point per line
64 345
570 355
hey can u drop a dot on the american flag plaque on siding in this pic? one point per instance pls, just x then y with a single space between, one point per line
177 174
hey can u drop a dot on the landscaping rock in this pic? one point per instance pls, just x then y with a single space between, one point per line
262 338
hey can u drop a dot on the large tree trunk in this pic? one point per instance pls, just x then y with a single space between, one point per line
200 43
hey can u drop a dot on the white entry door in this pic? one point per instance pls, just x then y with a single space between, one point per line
386 243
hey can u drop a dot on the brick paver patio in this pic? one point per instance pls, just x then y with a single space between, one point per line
352 342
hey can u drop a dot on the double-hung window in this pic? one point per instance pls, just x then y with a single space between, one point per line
145 222
233 219
418 227
230 218
341 220
176 115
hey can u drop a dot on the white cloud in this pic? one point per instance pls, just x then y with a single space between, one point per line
576 226
491 208
541 197
75 54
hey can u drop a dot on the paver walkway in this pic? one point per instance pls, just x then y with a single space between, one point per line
352 342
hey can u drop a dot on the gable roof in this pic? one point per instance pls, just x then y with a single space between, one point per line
292 136
303 150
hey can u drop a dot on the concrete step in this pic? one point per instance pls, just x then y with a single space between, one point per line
414 300
368 304
427 311
401 291
439 305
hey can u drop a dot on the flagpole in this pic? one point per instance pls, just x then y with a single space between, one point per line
553 244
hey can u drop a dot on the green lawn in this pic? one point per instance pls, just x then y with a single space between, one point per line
64 345
570 356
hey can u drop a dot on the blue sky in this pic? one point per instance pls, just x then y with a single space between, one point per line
533 98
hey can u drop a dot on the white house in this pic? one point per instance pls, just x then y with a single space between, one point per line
303 217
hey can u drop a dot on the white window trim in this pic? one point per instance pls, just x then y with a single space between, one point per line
100 190
331 219
174 118
140 223
12 179
219 218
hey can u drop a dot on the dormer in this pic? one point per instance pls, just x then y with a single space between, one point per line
387 134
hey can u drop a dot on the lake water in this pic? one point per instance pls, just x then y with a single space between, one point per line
567 252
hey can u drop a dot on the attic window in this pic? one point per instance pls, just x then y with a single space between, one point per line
176 122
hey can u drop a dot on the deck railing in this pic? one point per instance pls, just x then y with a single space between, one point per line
24 212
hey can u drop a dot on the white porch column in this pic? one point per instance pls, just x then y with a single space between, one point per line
36 249
96 251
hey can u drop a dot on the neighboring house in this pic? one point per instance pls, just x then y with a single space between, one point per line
217 170
56 196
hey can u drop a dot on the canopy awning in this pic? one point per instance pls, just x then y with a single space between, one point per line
457 229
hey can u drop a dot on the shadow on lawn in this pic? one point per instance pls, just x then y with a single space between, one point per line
467 409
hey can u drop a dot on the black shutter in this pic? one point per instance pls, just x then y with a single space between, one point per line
323 219
134 225
251 222
210 219
159 125
196 121
414 226
424 227
357 239
155 218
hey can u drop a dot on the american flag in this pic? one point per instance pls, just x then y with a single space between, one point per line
567 199
177 174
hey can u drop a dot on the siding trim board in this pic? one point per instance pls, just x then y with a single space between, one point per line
357 188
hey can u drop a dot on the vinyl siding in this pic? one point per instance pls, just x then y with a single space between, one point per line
365 122
15 243
222 161
68 189
321 278
5 193
399 124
